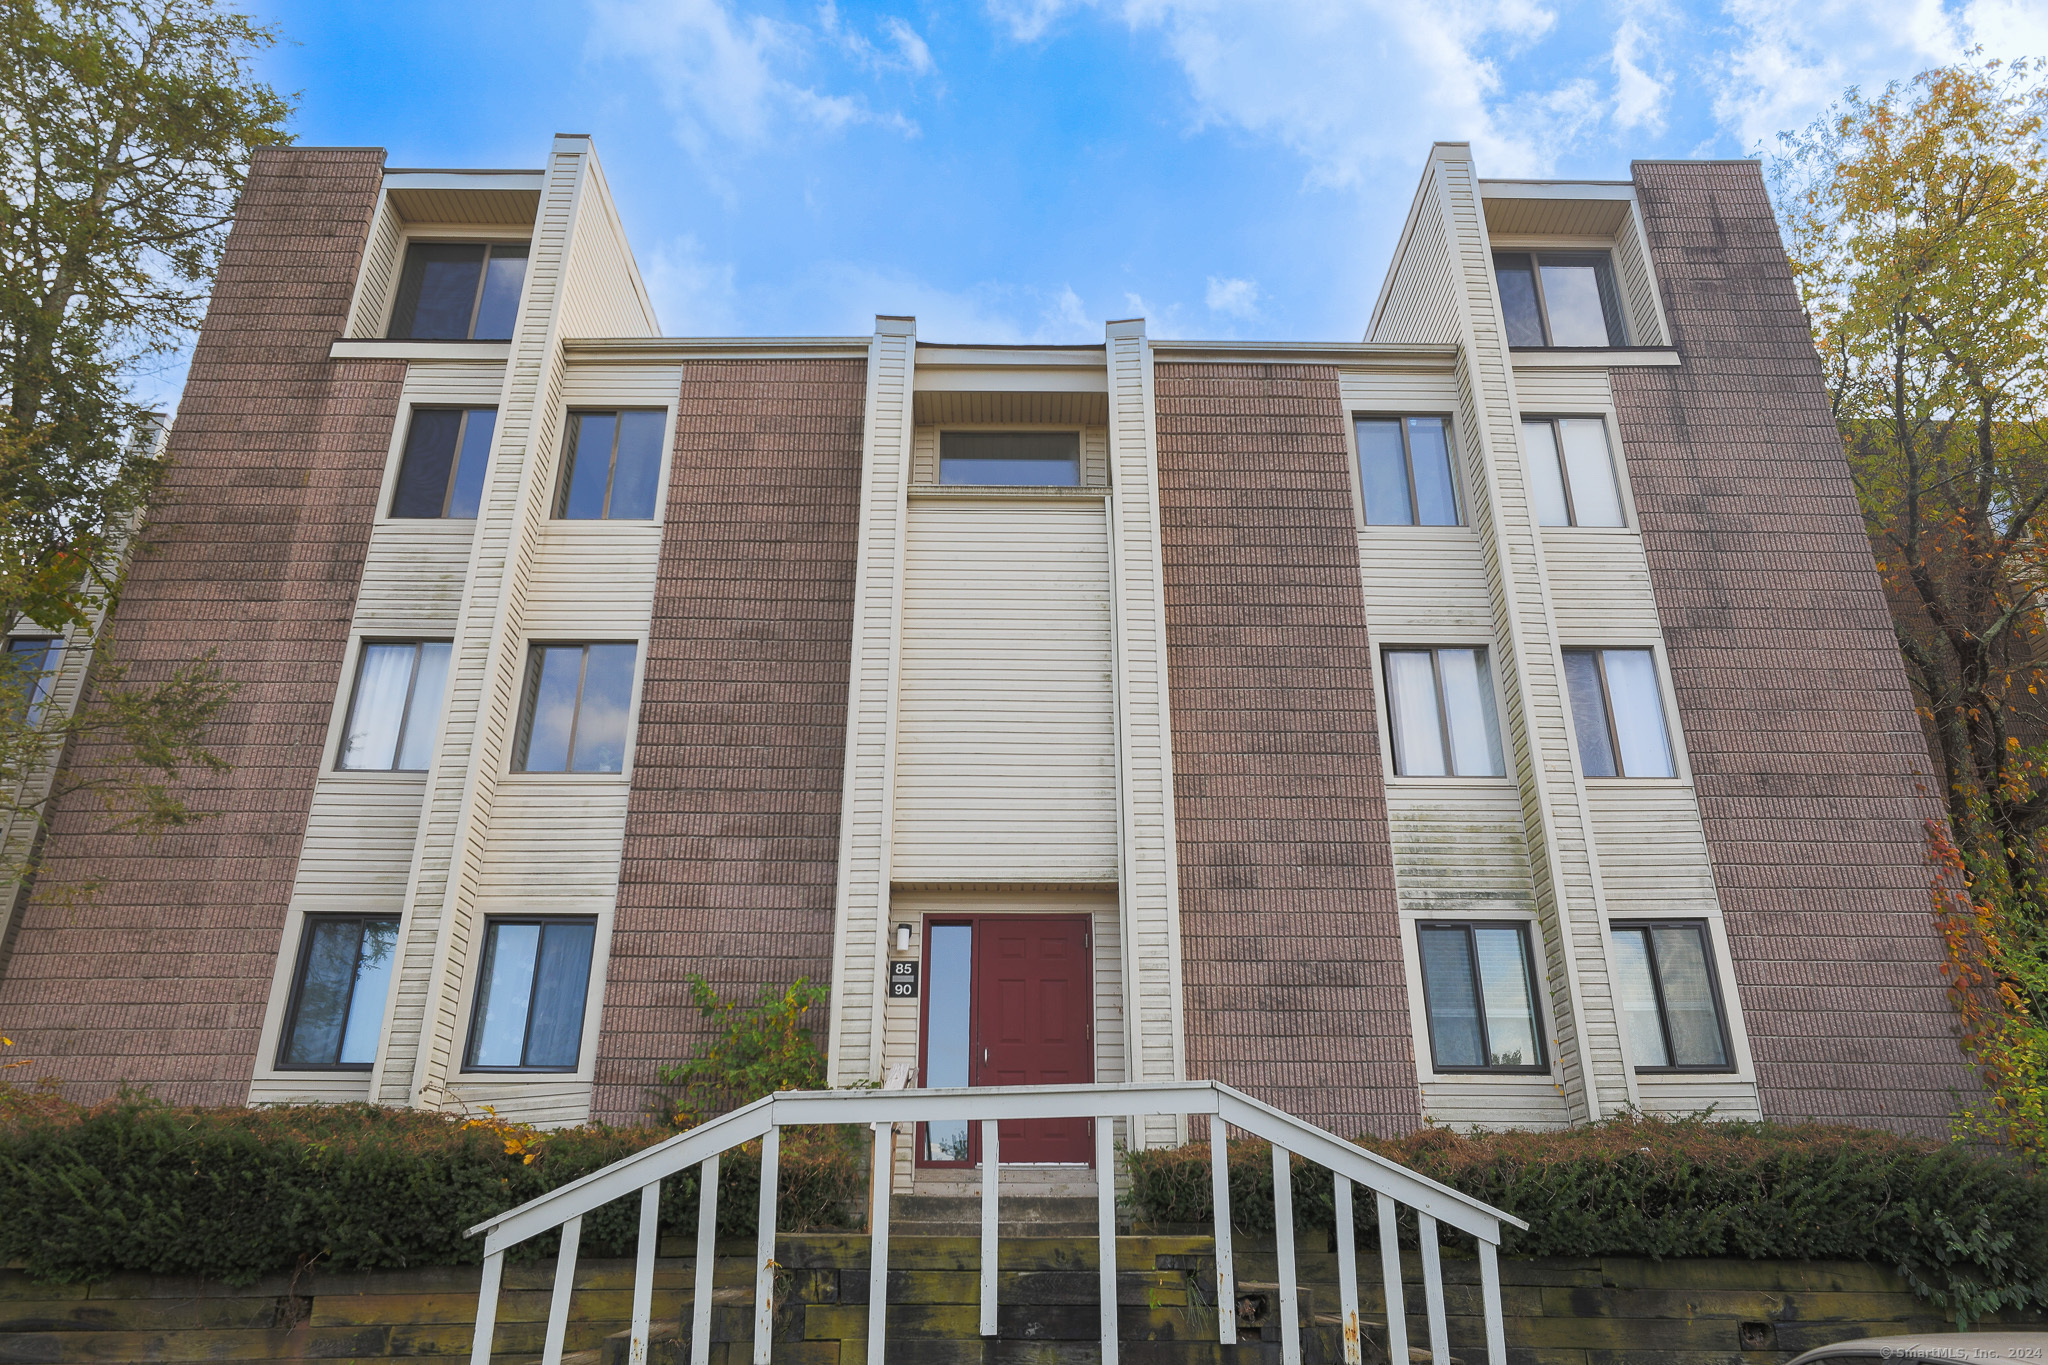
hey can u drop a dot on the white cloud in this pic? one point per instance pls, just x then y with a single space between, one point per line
846 296
1350 84
1238 298
729 79
916 54
1641 84
692 296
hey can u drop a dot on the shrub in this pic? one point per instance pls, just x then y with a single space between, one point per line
760 1048
1967 1229
231 1194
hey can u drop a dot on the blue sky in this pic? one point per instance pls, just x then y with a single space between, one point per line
1022 170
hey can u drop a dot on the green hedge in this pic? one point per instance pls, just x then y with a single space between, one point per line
1967 1229
232 1194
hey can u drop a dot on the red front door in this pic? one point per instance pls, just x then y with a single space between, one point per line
1023 1015
1034 1023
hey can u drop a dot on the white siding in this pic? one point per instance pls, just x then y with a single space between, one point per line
1638 284
1006 756
866 815
1458 846
1421 304
378 279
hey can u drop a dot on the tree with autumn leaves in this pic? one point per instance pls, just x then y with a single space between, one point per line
1917 223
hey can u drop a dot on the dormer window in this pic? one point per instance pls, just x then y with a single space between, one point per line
1559 298
1036 459
459 291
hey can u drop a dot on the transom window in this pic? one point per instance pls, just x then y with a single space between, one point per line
612 466
1559 298
1035 459
447 451
339 986
395 712
1479 991
1618 711
459 291
530 996
1670 1000
1440 705
31 671
1571 472
1404 470
578 700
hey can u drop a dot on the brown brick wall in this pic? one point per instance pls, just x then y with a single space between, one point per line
1808 758
255 550
1289 928
732 834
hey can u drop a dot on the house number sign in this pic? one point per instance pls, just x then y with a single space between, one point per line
903 980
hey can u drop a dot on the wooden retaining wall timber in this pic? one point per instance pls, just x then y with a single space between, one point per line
1587 1311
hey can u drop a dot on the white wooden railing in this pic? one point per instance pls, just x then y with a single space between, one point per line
1392 1185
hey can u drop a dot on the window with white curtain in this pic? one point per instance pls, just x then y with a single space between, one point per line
395 713
1670 1000
1618 711
1440 708
1571 472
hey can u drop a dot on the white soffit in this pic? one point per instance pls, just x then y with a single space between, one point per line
1556 208
965 407
493 197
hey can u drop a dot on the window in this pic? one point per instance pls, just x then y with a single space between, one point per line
1440 705
338 991
577 701
1670 1002
1559 298
1618 712
459 291
1404 468
1039 459
1480 994
32 669
530 994
1571 472
446 453
612 466
395 714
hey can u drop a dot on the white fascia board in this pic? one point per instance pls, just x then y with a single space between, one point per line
1557 189
1593 359
715 348
1379 353
1012 357
530 181
1011 380
366 348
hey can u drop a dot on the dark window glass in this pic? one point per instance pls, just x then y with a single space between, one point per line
1036 459
1404 469
612 466
1479 992
1518 307
1618 712
949 1027
531 991
395 712
1559 298
1670 1001
446 453
338 993
458 291
31 671
578 700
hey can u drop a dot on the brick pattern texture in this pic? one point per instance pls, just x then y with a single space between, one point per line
160 977
1289 926
1811 768
732 833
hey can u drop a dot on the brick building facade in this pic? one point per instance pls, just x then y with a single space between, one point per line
1493 721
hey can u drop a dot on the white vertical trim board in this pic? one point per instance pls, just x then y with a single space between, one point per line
867 803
